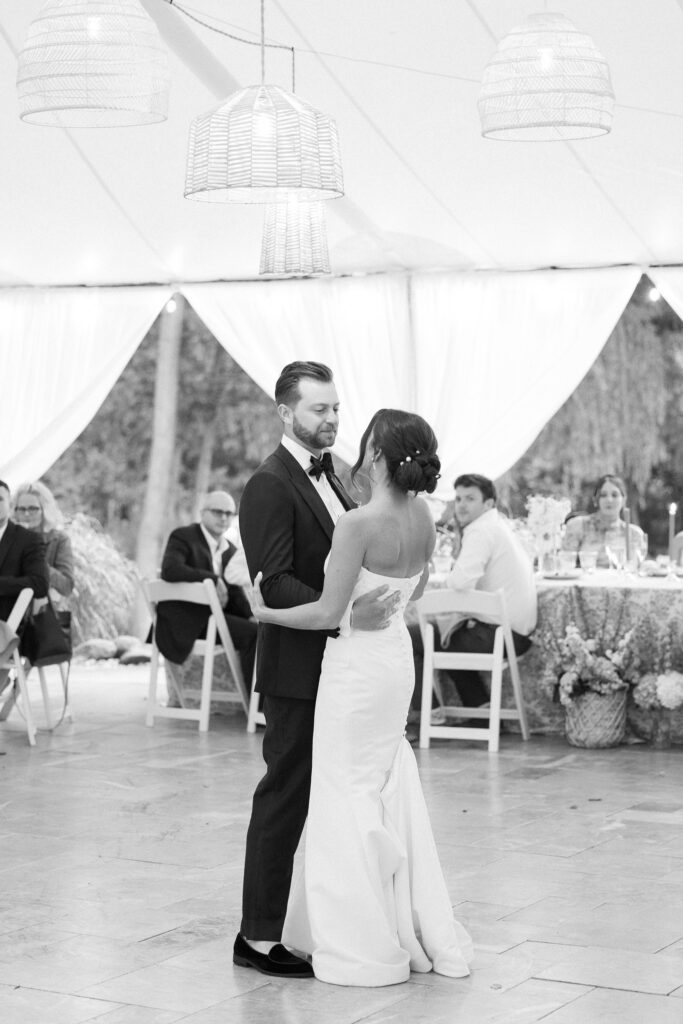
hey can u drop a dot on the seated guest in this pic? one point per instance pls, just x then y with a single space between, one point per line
22 558
22 563
490 558
195 553
36 509
604 528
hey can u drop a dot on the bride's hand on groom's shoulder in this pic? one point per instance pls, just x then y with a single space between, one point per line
374 610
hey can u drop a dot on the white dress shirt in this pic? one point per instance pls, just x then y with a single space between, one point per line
3 528
322 484
492 558
236 571
216 547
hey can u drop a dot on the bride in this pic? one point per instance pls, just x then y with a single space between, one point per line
370 903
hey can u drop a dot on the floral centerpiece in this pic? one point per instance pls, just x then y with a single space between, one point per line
591 681
660 689
545 519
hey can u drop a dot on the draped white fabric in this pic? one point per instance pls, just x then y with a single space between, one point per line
499 353
358 326
486 358
61 352
669 280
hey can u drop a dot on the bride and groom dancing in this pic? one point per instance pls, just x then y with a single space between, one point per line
335 667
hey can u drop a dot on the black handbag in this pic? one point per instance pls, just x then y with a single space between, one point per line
46 639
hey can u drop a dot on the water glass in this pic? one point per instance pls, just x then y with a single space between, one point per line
567 561
442 562
617 556
588 560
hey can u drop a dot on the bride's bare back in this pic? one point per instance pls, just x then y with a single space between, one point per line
399 535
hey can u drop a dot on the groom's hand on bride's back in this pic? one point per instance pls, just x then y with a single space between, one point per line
374 610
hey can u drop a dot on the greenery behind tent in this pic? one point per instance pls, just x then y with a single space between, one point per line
184 418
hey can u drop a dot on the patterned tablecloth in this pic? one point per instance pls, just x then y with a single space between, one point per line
604 603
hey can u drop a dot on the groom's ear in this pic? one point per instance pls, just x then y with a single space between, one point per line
285 413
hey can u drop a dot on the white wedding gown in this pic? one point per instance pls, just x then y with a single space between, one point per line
369 901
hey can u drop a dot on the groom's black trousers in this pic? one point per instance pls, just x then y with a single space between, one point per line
278 815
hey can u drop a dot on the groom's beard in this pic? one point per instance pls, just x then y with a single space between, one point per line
323 437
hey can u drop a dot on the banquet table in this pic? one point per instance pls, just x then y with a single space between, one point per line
604 603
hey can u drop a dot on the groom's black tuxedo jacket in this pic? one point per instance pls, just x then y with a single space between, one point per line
187 559
22 564
287 534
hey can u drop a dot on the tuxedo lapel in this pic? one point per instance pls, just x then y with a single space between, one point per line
305 490
6 543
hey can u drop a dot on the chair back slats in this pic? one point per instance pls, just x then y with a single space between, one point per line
157 591
487 606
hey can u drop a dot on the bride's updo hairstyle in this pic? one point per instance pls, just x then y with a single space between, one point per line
408 445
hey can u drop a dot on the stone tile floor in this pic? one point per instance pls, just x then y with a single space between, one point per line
121 864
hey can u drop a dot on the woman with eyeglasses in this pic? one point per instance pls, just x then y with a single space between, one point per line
36 509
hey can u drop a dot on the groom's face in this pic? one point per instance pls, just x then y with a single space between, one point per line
314 420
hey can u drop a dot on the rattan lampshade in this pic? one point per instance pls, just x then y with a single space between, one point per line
93 63
261 146
294 239
546 81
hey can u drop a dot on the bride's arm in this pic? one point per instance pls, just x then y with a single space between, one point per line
419 589
346 558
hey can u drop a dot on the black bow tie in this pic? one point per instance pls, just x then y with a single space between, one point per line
322 465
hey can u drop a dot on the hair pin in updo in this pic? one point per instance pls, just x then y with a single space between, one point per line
408 458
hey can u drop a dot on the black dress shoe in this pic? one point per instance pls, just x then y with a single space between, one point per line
279 962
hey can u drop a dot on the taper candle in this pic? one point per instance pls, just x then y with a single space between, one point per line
672 528
627 523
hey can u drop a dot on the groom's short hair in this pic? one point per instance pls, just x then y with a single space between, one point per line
287 385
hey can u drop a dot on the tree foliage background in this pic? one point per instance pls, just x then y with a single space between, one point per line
625 417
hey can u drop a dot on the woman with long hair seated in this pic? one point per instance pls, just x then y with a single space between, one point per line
36 509
604 530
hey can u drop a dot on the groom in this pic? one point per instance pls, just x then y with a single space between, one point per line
287 515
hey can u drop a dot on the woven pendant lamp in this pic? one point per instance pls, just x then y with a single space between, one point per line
260 146
93 64
294 239
546 81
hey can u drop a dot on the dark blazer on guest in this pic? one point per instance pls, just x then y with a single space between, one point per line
287 534
187 559
22 564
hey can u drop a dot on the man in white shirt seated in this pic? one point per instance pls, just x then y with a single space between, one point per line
490 558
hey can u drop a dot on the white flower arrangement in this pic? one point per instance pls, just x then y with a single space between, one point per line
545 519
581 665
659 691
660 686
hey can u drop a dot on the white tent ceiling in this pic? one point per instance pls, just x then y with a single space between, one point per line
423 189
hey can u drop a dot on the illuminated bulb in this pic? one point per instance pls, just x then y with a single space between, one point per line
672 508
654 294
171 306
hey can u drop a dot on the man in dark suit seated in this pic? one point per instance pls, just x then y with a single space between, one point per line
193 554
22 563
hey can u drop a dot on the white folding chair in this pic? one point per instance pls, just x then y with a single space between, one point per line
473 604
12 660
63 669
156 591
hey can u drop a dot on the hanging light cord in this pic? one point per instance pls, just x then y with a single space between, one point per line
240 39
